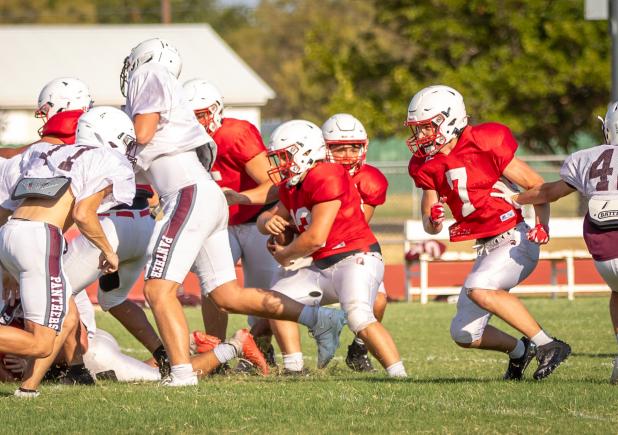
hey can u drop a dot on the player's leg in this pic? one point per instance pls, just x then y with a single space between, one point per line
215 270
357 358
356 280
215 319
609 271
128 313
104 356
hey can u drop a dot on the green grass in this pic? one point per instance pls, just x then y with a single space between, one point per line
449 389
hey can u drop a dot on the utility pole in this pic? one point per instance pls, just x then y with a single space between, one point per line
166 12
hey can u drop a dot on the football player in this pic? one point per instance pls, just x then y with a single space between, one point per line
590 172
346 144
128 228
60 104
458 164
242 166
176 155
59 185
325 206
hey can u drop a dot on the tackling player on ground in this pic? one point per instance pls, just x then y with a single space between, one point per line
458 164
593 173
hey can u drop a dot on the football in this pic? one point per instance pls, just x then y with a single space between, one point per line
286 237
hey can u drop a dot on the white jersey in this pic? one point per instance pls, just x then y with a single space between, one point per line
593 171
153 89
91 169
9 175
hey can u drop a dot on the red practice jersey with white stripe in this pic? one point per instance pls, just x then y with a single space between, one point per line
465 178
328 182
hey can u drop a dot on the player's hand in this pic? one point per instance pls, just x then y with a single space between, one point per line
436 214
108 262
506 193
278 254
276 225
539 234
15 364
234 198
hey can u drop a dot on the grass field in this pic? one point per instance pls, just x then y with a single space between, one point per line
450 390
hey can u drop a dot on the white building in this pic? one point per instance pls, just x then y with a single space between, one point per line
33 55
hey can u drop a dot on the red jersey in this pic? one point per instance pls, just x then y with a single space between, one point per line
62 126
328 182
237 142
465 177
371 185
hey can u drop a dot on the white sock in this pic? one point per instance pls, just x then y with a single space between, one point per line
359 341
183 371
225 352
541 338
519 350
397 370
309 316
293 361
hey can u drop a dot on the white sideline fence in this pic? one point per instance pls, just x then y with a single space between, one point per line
560 228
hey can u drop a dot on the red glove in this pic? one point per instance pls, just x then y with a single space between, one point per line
436 215
539 234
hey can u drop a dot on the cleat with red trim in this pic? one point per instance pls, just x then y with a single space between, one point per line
249 350
200 342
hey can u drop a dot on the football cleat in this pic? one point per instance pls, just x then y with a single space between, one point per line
77 375
264 344
163 361
326 334
23 393
56 372
614 378
222 369
246 367
303 372
172 381
515 370
550 356
250 350
200 342
357 358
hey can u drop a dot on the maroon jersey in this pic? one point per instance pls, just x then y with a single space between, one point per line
328 182
371 185
465 178
237 142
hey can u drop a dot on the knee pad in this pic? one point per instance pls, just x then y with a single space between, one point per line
110 299
359 316
465 333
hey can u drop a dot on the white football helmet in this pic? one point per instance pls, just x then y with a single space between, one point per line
152 50
294 147
61 94
344 129
207 103
106 126
610 124
436 115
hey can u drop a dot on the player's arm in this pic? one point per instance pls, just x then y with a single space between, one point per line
264 193
87 221
520 173
314 237
432 211
368 211
547 192
274 221
145 126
